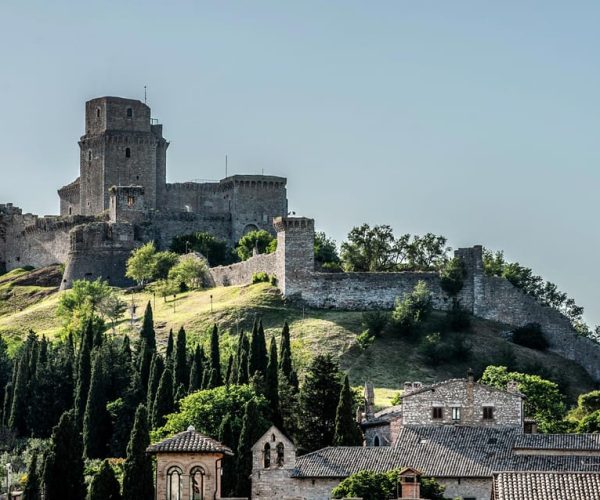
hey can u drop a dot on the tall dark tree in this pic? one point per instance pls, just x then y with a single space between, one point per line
229 372
63 469
228 438
18 412
104 485
156 370
347 432
215 358
84 371
251 431
319 397
96 420
138 483
197 370
122 412
272 383
170 347
33 487
181 375
257 359
243 376
8 393
147 332
285 360
163 402
144 361
126 349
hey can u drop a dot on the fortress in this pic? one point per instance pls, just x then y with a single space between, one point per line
121 199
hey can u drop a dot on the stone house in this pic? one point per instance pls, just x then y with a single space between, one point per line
188 466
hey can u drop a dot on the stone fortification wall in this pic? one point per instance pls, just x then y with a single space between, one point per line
241 273
162 227
205 197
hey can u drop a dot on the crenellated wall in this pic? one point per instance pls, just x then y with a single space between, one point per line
241 273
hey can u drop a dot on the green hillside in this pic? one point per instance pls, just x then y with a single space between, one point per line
388 363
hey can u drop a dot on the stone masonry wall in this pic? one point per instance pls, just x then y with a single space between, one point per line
241 273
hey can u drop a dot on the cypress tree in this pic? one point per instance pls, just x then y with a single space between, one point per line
122 413
243 375
104 485
84 369
18 412
144 362
147 332
215 359
63 470
251 431
33 490
96 421
179 395
272 383
347 432
98 338
8 392
319 397
228 478
197 370
163 402
170 347
229 373
126 349
5 370
257 359
138 483
180 369
285 362
156 370
43 352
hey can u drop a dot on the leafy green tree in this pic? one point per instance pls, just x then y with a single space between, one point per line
140 265
190 272
257 360
63 469
215 358
319 397
96 421
260 240
138 481
368 485
33 489
181 372
82 303
412 309
162 263
326 254
112 308
452 276
213 249
370 249
543 402
104 485
347 432
164 401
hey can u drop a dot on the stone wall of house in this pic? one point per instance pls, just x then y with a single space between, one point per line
186 462
417 408
241 273
279 485
467 488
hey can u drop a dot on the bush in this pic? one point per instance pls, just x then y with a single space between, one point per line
375 322
443 350
452 276
213 249
531 336
260 277
261 240
365 339
414 308
432 348
458 317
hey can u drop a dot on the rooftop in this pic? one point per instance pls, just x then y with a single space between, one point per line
547 486
189 441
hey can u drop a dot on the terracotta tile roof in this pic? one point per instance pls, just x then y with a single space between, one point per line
189 441
586 442
547 486
442 451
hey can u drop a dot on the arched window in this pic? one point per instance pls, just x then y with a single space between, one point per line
280 455
127 153
376 441
197 483
129 112
174 483
98 112
267 456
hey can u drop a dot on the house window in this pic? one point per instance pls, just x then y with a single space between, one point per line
129 112
127 153
174 483
437 413
456 413
267 456
280 455
197 483
376 441
488 413
130 201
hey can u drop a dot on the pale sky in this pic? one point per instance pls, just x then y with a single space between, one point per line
472 119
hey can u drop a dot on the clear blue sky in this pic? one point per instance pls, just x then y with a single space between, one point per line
476 120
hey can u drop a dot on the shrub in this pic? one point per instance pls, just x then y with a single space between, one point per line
452 276
412 309
260 277
375 322
531 336
432 348
365 339
443 350
458 317
190 272
261 240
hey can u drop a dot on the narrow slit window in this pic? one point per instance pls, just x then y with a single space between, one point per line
129 112
127 152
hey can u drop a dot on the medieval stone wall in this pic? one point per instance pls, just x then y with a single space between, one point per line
241 273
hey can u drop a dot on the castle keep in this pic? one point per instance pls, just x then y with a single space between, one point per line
121 199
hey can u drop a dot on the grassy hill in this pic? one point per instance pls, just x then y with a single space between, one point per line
389 362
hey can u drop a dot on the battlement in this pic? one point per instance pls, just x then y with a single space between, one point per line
10 209
116 113
287 223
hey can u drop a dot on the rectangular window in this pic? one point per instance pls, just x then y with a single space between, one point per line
488 413
437 413
456 413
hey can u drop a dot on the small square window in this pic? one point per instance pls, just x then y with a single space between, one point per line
437 413
456 413
488 413
129 112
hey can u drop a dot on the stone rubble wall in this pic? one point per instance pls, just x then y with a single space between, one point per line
241 273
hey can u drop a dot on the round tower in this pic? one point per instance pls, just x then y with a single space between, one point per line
121 147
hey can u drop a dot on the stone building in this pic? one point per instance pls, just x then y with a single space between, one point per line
464 454
188 466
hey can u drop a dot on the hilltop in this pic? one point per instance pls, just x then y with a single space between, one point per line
389 362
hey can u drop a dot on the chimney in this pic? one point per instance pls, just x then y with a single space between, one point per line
369 396
409 484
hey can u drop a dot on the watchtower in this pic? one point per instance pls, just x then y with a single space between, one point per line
121 147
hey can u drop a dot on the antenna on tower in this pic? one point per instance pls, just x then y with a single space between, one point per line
225 166
145 95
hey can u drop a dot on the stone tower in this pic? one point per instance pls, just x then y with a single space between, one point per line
121 147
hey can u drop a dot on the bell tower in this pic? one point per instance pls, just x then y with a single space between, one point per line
121 147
